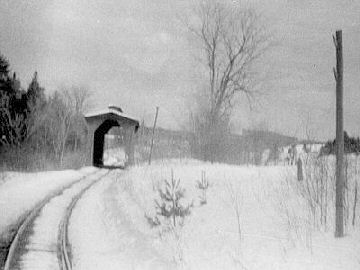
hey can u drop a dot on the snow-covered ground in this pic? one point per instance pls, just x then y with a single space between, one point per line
115 157
20 192
272 230
103 235
254 218
41 245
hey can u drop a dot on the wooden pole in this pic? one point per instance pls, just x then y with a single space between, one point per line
300 174
153 132
131 155
339 200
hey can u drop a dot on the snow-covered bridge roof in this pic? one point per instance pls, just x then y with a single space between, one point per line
112 112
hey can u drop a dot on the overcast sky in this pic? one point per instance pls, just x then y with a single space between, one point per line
136 54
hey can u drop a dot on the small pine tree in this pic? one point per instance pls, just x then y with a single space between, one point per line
169 206
203 185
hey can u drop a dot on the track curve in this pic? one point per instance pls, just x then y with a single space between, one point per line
41 241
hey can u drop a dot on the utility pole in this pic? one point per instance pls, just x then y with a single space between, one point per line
153 132
339 200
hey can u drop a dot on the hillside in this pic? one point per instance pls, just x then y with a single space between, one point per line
240 149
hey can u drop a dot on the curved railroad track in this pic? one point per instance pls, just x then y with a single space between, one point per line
41 241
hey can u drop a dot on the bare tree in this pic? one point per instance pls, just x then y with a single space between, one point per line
65 121
58 125
78 98
59 119
231 41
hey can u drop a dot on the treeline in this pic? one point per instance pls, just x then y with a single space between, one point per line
40 131
351 145
168 144
248 148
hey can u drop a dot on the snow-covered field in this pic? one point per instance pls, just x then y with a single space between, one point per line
254 218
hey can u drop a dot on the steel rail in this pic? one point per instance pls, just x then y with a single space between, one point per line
31 215
64 247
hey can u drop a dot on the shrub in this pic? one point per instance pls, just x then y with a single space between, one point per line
169 207
203 185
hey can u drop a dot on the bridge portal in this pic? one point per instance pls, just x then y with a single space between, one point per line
99 123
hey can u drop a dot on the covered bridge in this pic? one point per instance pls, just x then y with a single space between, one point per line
99 123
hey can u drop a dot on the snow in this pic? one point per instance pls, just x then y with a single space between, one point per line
115 157
274 223
108 228
43 241
22 191
109 110
102 236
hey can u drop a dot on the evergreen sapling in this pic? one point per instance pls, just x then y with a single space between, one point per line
169 205
203 185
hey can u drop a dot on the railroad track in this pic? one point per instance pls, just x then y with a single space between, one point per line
42 241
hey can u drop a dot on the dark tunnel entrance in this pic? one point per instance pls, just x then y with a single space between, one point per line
99 139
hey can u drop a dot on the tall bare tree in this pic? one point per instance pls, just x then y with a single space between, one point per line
78 98
60 115
66 119
231 40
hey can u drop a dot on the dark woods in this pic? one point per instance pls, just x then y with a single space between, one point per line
351 145
17 106
38 131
